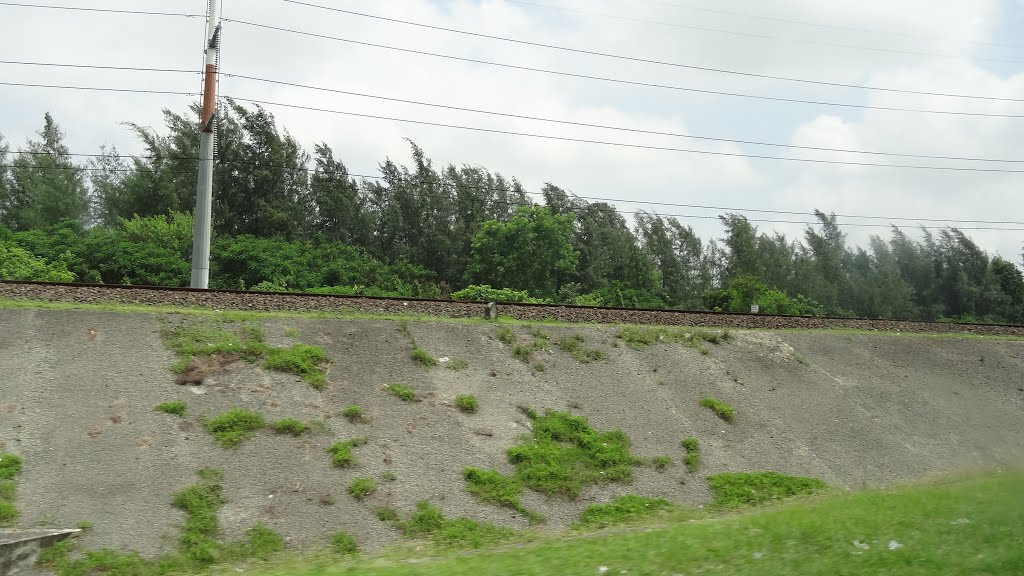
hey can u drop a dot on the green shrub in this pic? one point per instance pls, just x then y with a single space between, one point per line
10 466
341 452
661 462
344 544
428 521
724 411
565 454
735 489
522 352
386 514
175 408
692 459
457 364
423 358
494 487
402 392
484 293
302 360
353 413
466 403
234 426
639 337
622 510
16 263
574 346
8 489
8 513
260 542
289 426
506 335
362 487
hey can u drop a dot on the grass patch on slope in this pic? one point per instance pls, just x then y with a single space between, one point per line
10 467
737 489
640 337
494 487
429 522
574 345
234 426
565 454
199 544
341 452
956 526
174 408
622 510
723 410
246 341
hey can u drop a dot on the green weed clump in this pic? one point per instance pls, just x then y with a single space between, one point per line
362 487
574 346
386 514
692 459
423 358
200 503
343 544
736 489
466 403
289 426
10 466
724 411
622 510
234 426
494 487
639 337
428 521
353 413
541 339
565 454
302 360
661 463
506 335
522 352
457 364
175 408
403 392
341 452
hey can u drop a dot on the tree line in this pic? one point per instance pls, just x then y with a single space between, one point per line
289 219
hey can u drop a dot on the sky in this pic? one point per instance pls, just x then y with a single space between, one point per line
966 47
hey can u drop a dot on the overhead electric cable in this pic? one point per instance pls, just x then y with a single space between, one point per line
623 144
618 80
649 60
610 127
97 67
107 10
98 89
764 36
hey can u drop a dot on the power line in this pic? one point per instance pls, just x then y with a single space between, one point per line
98 89
619 80
808 23
761 36
648 60
609 127
107 10
626 145
803 22
97 67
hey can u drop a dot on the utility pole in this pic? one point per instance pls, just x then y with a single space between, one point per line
207 127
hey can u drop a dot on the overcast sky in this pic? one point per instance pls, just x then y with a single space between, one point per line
952 46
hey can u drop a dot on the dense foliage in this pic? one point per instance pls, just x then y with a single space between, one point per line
285 219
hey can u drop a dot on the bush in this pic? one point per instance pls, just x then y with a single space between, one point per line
660 463
386 514
301 359
496 488
484 293
466 403
362 487
16 263
344 544
289 426
353 413
423 358
10 466
175 408
341 452
692 459
428 520
402 392
234 426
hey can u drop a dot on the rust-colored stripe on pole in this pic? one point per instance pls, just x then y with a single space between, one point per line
209 97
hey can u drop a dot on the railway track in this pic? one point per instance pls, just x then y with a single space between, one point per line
298 302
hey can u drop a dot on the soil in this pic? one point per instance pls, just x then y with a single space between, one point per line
855 410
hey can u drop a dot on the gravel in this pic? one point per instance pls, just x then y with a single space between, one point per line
237 300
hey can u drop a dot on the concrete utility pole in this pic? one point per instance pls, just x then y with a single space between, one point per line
204 191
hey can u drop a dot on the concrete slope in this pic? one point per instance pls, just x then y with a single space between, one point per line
78 390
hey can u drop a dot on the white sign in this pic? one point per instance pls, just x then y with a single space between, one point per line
755 309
